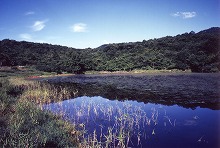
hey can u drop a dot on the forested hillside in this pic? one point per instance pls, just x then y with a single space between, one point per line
199 52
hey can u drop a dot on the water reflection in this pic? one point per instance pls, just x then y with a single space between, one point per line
136 124
187 90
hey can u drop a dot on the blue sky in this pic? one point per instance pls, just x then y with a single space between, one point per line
91 23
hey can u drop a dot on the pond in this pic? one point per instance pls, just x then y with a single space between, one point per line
165 110
136 124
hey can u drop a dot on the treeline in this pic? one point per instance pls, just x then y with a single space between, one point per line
199 52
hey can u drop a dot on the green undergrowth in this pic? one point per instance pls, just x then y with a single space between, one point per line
23 123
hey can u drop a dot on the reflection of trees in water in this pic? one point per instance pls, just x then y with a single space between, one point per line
189 91
146 96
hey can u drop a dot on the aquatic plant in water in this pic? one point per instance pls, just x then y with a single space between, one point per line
108 123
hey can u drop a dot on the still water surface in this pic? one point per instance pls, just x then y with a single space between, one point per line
138 124
189 90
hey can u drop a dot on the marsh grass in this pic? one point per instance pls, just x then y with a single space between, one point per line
42 93
24 124
38 92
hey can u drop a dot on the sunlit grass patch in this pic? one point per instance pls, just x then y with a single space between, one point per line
24 124
45 93
38 92
33 127
16 81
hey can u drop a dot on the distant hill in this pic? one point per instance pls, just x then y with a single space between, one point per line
199 52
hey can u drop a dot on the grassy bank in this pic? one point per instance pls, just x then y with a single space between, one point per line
22 121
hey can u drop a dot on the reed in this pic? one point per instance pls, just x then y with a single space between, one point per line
113 125
39 92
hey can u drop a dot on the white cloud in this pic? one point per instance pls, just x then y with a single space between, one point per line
185 15
188 14
25 36
38 25
30 13
79 27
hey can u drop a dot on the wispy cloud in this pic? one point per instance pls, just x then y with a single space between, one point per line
185 15
25 36
188 14
30 38
79 27
29 13
38 25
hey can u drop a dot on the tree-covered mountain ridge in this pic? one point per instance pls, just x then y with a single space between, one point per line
199 52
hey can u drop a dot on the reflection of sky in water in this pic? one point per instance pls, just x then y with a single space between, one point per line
158 125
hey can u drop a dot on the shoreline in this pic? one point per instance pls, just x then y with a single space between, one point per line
118 73
31 74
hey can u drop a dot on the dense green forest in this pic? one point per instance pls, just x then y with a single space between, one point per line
199 52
